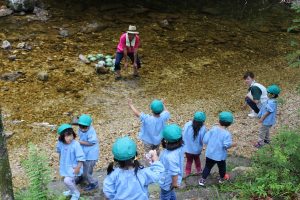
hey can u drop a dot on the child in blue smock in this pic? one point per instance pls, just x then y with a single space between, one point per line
129 180
193 133
267 115
152 125
218 140
71 158
172 158
90 146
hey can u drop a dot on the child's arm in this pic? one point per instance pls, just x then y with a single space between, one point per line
264 117
77 168
135 111
174 182
85 143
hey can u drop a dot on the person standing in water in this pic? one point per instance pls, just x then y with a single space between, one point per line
128 47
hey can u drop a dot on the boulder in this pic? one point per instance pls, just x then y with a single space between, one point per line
6 45
5 11
93 27
21 5
41 14
43 76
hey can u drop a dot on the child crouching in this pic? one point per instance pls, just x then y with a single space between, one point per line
71 158
129 180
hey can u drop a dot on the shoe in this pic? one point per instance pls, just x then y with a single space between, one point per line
67 193
266 141
258 145
221 180
91 186
202 182
252 114
78 180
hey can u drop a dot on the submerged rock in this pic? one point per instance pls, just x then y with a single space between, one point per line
94 27
41 14
21 5
24 45
6 45
63 32
11 76
43 76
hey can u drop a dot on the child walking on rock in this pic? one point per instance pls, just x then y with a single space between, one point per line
90 145
71 158
193 133
218 141
172 159
129 180
152 125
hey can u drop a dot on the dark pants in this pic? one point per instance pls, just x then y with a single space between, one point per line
119 57
209 165
252 104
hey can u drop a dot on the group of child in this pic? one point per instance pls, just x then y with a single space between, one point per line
126 177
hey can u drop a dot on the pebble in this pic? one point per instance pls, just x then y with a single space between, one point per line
84 59
12 57
63 32
6 45
43 76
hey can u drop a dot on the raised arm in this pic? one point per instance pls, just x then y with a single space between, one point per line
135 111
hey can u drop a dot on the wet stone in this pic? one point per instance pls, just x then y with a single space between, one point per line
63 32
5 11
12 57
6 45
43 76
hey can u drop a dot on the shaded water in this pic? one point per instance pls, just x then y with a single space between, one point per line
195 63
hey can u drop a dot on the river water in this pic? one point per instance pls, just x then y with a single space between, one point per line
196 62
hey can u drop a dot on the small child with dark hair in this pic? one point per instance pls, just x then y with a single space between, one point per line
267 115
151 125
172 158
193 133
71 158
218 140
130 180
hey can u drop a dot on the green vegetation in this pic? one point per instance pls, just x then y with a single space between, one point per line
276 170
39 174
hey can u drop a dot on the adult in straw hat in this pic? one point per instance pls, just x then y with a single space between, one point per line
128 47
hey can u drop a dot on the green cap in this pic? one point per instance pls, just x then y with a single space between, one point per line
273 89
157 106
172 132
63 127
85 120
199 116
124 149
226 117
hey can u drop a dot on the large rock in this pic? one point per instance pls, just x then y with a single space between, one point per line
93 27
21 5
5 11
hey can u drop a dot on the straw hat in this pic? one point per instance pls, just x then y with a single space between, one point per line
132 30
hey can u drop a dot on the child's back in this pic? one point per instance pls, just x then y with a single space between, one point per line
193 145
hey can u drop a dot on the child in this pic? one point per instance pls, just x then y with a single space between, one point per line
193 133
130 180
71 158
90 146
267 116
152 125
172 158
218 140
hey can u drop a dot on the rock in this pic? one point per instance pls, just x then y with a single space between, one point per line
42 76
8 134
63 32
210 11
83 59
24 45
6 45
21 5
164 23
41 14
11 76
12 57
70 70
5 11
94 27
101 70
